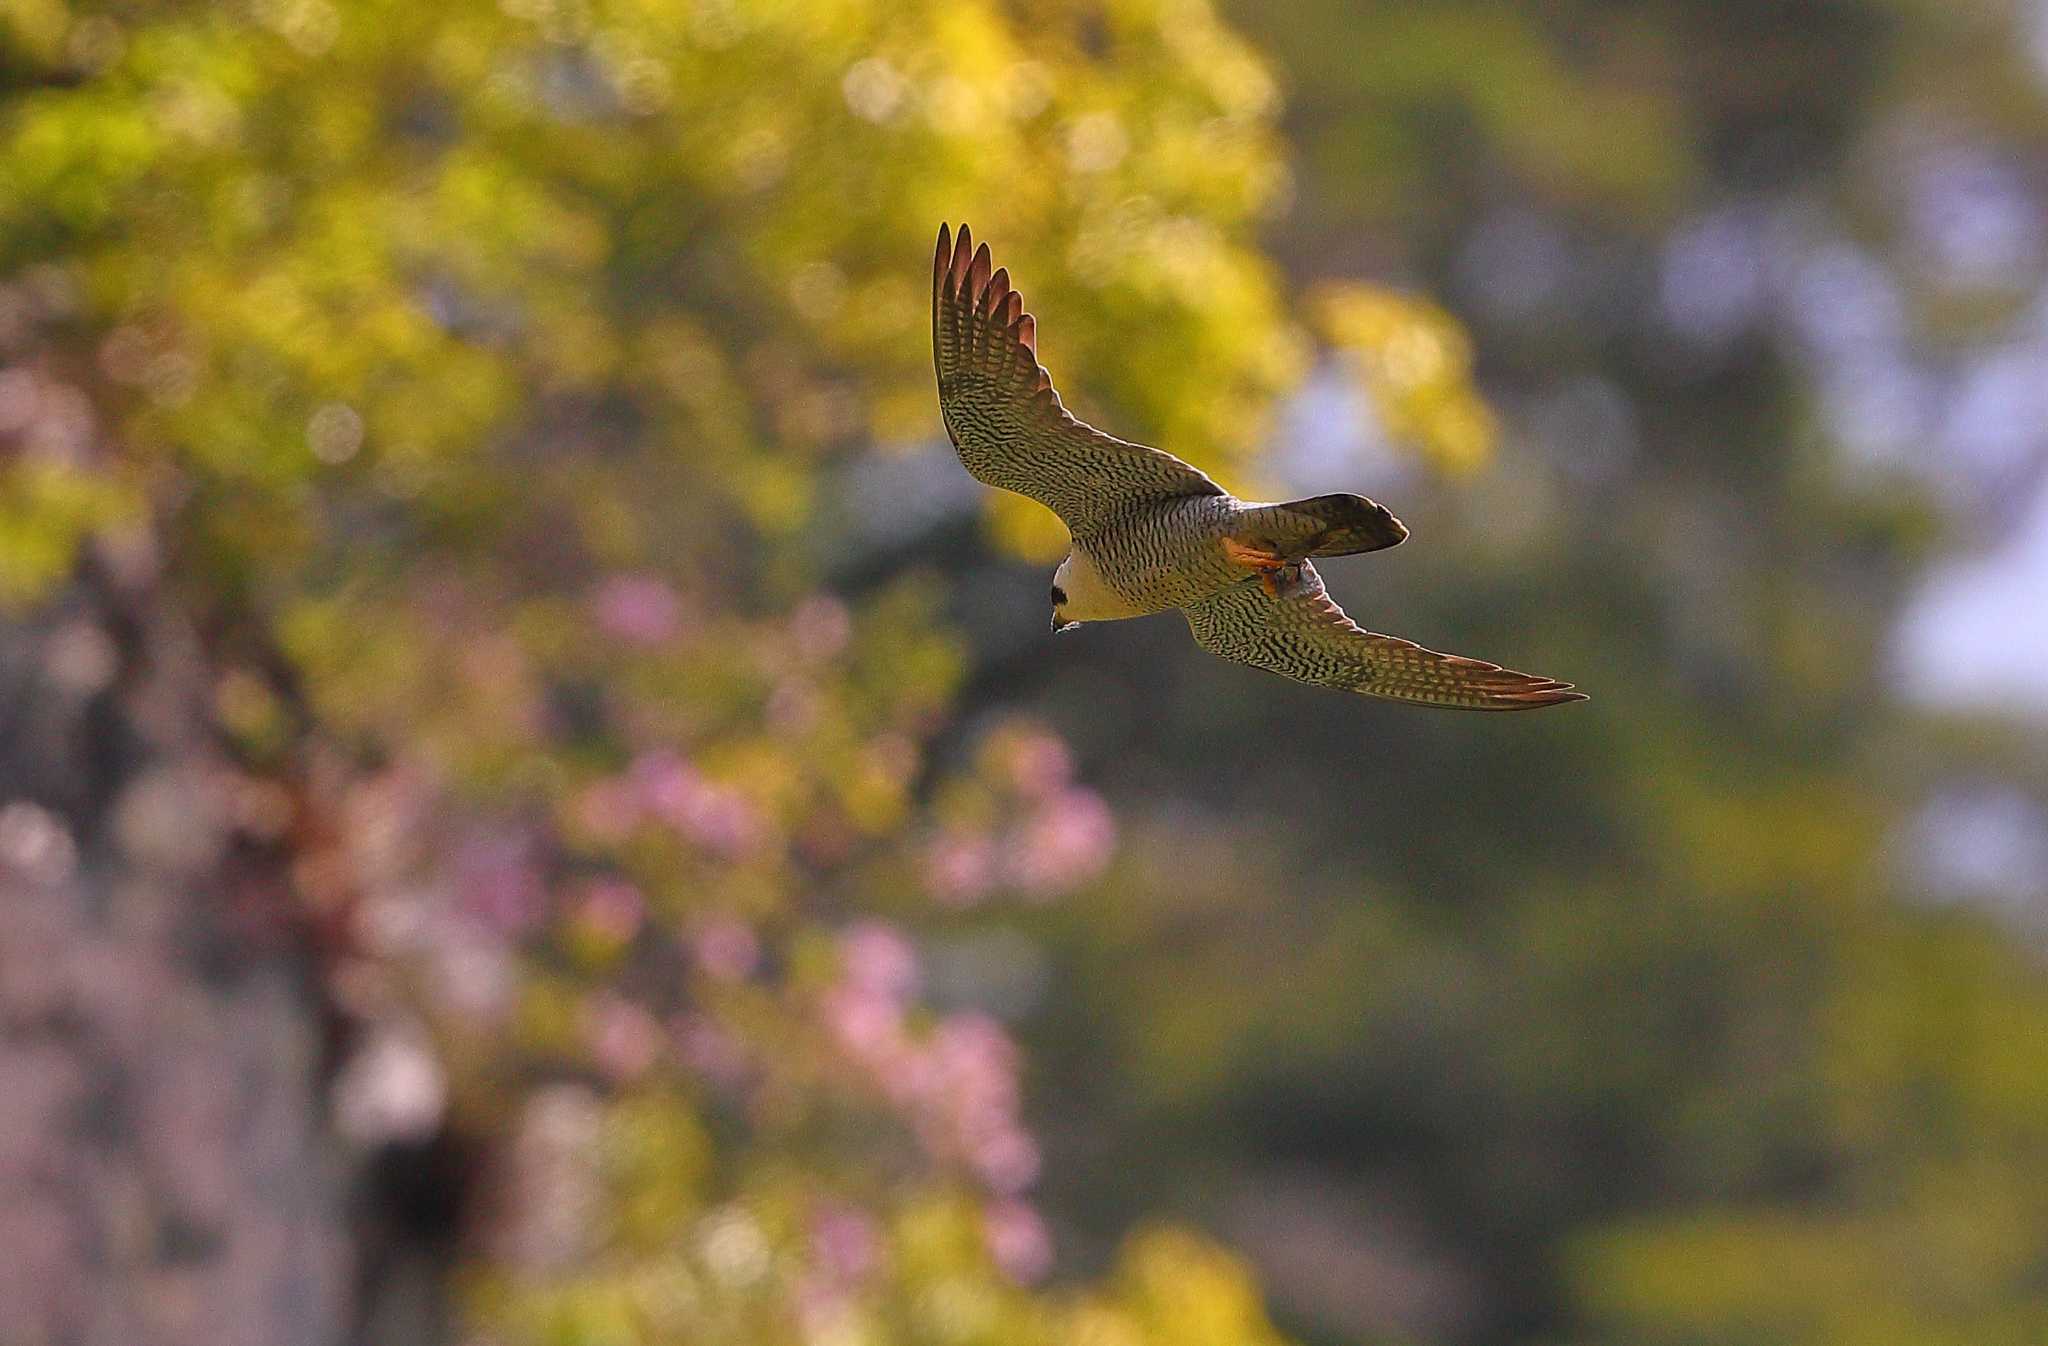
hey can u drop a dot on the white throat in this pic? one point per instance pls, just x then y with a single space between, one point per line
1088 598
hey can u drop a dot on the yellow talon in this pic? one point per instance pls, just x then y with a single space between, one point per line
1267 564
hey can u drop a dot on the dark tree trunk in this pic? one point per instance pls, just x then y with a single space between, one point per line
166 1174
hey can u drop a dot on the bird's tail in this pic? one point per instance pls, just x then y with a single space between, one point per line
1328 525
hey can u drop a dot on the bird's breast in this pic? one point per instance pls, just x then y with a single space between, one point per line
1160 559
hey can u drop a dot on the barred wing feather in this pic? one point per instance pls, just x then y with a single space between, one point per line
1302 634
1004 417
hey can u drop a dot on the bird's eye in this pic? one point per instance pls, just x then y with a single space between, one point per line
1059 596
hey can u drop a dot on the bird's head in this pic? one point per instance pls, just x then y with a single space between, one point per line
1060 580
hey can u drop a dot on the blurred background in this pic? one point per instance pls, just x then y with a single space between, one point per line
537 807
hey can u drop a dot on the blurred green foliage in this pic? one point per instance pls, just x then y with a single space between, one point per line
471 371
1651 1029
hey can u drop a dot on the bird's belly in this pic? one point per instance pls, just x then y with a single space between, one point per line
1157 565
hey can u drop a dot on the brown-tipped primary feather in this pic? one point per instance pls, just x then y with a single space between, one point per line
1001 411
977 271
963 253
993 294
1301 633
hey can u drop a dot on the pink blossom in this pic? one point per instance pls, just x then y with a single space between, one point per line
637 609
1067 843
664 784
624 1038
707 1048
868 1024
498 881
726 950
877 958
956 1086
725 822
1037 763
821 626
392 1088
977 1057
472 972
959 869
894 757
715 816
35 844
975 1101
1018 1241
609 809
909 1075
821 1308
794 706
612 909
1007 1160
845 1244
20 399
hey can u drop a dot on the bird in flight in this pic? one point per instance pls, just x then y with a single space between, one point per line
1152 533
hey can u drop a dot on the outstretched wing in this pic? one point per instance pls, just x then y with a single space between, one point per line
1303 634
1006 420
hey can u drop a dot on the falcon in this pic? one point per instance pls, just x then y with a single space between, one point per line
1151 533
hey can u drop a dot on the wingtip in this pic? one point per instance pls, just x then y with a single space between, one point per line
978 269
982 298
1562 695
1522 691
957 264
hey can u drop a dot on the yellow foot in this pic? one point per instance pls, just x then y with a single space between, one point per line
1267 564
